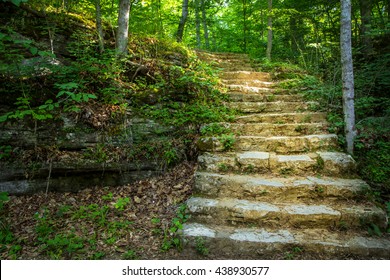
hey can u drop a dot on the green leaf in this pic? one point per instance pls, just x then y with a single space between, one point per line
18 2
33 50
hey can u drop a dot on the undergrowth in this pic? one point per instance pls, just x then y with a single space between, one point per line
159 79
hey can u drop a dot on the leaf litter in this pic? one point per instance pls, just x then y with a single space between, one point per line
109 221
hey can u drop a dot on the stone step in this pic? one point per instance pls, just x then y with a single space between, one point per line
232 211
281 118
326 163
277 144
249 83
270 129
268 188
272 107
259 243
242 97
250 90
235 67
245 75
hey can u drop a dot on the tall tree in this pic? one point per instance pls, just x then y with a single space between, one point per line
365 13
197 23
182 22
204 22
245 28
347 74
99 26
269 36
122 36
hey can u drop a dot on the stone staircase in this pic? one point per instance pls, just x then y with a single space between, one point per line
284 184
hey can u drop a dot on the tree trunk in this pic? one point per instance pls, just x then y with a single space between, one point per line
347 74
365 13
269 36
122 36
182 22
244 13
204 22
197 23
388 10
99 26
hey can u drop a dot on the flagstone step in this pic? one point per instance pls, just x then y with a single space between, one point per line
326 163
272 107
271 129
245 75
250 83
304 117
254 243
248 89
277 144
269 188
242 97
235 67
231 211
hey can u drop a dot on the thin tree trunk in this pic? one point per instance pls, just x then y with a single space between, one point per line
347 74
204 22
388 10
182 22
122 36
365 13
197 23
99 26
244 12
269 36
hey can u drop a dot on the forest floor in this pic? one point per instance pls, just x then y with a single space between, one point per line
98 223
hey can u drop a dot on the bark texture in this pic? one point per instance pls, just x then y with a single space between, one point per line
204 22
122 36
182 22
347 74
269 36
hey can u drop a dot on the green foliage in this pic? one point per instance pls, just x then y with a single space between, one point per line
172 235
130 255
376 166
121 203
16 2
213 129
3 199
200 246
6 235
227 141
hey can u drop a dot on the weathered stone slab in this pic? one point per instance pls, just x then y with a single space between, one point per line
255 243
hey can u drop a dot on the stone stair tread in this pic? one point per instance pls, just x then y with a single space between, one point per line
278 144
226 211
275 129
245 75
249 89
294 117
272 107
321 136
280 188
251 242
333 163
249 82
248 97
